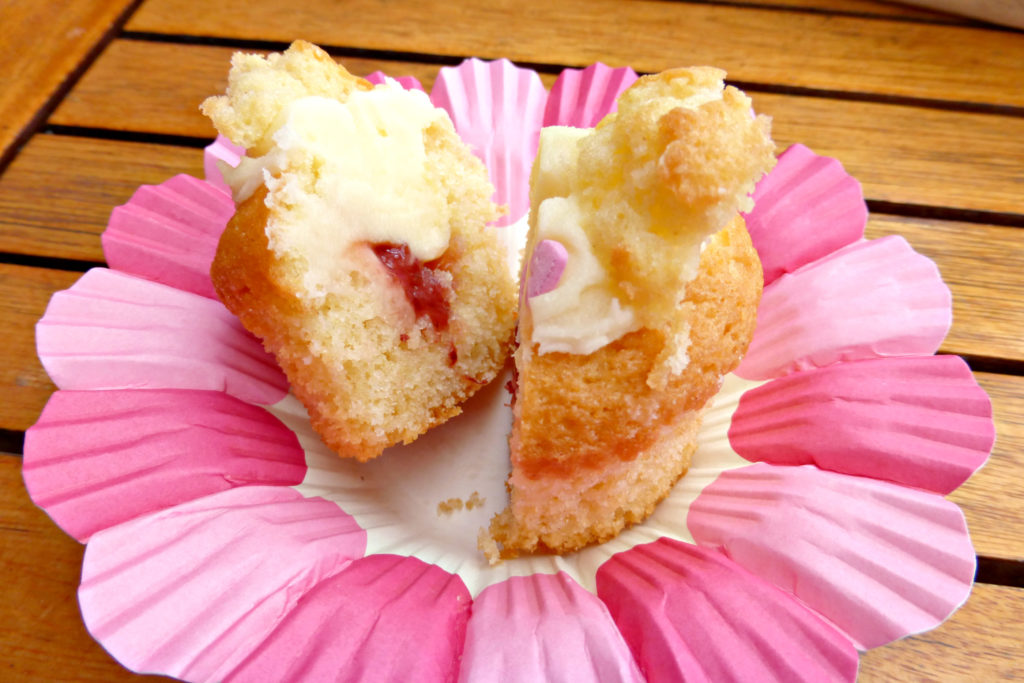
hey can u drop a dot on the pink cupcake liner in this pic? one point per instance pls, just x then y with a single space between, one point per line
169 233
805 209
221 150
191 591
920 421
230 584
407 82
97 459
543 627
406 617
689 613
879 561
115 331
582 97
497 109
870 299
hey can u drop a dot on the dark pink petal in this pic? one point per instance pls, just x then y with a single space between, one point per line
99 458
547 263
921 421
807 207
497 109
192 591
582 97
407 82
879 561
220 150
115 331
169 233
543 627
870 299
688 613
383 618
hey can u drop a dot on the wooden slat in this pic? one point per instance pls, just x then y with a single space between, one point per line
44 638
43 43
983 641
867 8
41 627
25 386
901 154
781 47
57 196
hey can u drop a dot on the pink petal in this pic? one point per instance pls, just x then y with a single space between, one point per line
807 207
398 617
407 82
920 421
169 233
879 561
497 109
547 263
543 627
193 590
688 613
99 458
582 97
115 331
870 299
221 149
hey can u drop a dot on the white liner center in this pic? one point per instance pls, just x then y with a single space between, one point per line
395 498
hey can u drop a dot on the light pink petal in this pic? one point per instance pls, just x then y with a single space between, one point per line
99 458
397 617
879 561
407 82
689 613
582 97
921 421
807 207
547 263
870 299
543 627
497 109
116 331
193 590
169 233
220 150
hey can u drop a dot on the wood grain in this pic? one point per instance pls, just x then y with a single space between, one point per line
45 640
25 386
901 154
983 641
803 49
43 43
40 624
57 195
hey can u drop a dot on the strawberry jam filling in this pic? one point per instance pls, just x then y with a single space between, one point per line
423 289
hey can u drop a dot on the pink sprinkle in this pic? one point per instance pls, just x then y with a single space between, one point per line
546 266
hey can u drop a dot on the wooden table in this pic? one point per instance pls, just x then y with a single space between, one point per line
927 110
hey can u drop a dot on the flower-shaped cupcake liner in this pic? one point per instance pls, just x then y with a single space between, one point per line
225 542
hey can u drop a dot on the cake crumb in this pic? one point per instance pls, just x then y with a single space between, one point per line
447 507
489 547
475 501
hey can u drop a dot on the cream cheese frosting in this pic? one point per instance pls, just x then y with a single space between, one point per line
365 179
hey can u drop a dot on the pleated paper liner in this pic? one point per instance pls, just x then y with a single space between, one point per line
226 542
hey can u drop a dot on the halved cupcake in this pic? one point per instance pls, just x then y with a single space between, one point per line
360 251
641 294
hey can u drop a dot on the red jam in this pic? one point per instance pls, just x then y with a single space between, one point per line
423 288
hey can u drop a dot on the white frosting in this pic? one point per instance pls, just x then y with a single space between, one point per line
346 173
580 315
